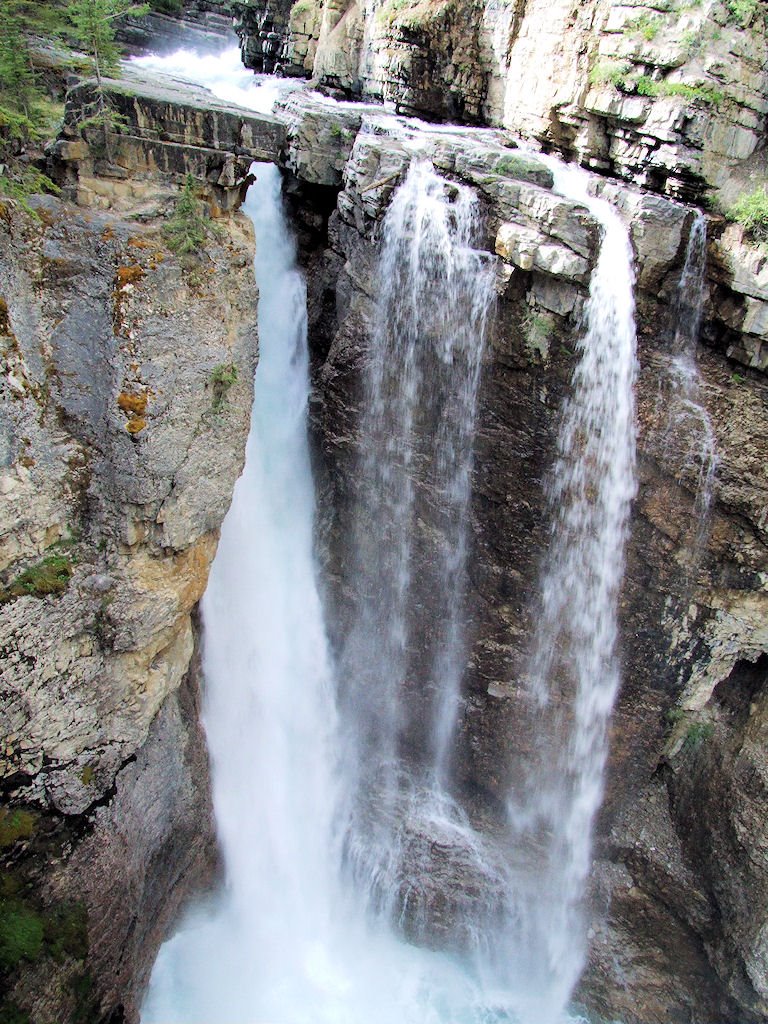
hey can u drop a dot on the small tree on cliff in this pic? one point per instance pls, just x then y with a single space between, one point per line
93 27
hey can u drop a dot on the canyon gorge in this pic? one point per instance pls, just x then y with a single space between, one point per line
498 557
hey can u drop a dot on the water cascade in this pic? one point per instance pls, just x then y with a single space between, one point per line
415 461
573 671
331 785
688 432
286 938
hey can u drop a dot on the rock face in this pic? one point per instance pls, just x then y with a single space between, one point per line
125 408
670 98
204 25
173 128
681 837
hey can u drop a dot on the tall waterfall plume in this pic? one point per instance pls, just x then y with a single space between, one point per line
401 685
573 672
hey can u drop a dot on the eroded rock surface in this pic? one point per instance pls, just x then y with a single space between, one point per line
125 407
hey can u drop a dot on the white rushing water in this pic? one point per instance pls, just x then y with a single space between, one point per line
574 673
304 789
285 939
688 430
404 656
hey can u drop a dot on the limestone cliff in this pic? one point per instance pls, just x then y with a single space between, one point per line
669 95
124 409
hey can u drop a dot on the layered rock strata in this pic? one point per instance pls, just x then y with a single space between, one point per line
670 96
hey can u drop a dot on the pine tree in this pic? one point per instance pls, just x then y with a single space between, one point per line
17 83
93 27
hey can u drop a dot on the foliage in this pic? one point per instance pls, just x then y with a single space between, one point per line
51 576
751 211
167 6
609 71
647 25
647 86
538 329
21 183
14 825
743 11
21 933
92 24
222 378
188 227
697 733
10 1013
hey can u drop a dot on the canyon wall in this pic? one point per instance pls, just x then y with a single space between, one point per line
682 833
669 95
125 406
123 428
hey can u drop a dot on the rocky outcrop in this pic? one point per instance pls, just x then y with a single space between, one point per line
171 128
125 406
681 835
203 25
672 97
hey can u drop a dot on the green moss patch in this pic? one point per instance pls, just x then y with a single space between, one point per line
50 576
21 933
14 825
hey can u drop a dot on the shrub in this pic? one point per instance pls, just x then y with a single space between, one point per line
751 211
742 11
15 825
610 72
647 86
647 25
21 933
697 733
221 380
189 227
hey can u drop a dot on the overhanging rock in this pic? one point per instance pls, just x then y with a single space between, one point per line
166 126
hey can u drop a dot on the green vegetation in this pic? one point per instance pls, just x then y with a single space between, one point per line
751 211
743 11
610 71
26 114
21 933
674 715
190 226
50 576
697 733
11 1013
92 26
646 86
538 329
221 380
646 25
167 6
28 932
14 825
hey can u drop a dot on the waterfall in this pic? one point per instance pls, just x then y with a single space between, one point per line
573 672
268 695
688 433
402 690
286 938
331 784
